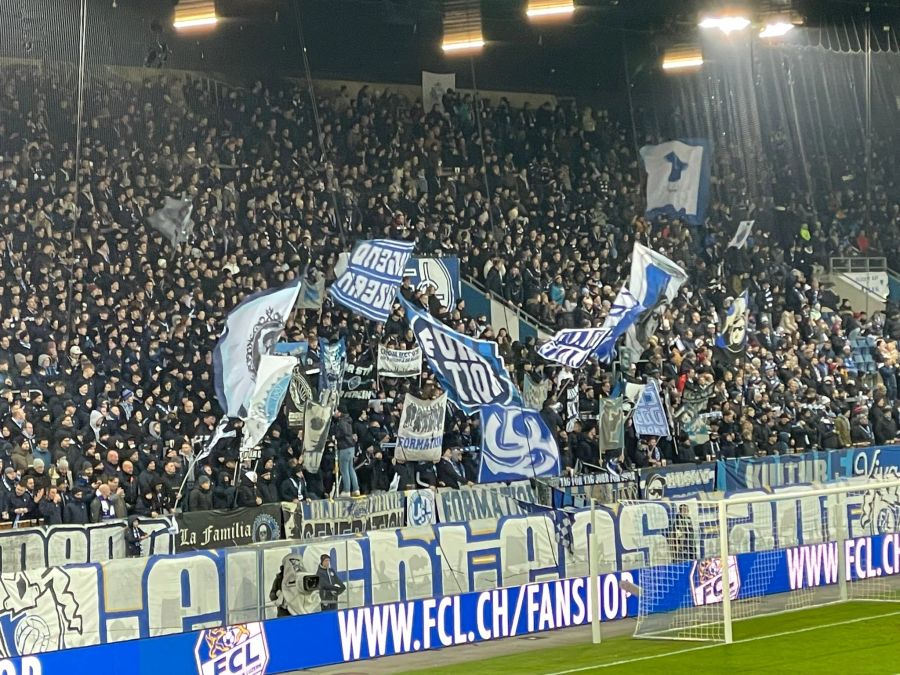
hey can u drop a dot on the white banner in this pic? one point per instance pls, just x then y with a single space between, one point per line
272 380
316 423
421 431
399 362
434 86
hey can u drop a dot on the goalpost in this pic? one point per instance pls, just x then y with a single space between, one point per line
715 562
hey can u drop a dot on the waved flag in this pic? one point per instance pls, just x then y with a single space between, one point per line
373 274
677 179
272 381
334 362
441 274
649 416
312 294
534 393
732 338
611 424
654 283
572 346
251 330
623 313
471 371
516 443
173 220
739 240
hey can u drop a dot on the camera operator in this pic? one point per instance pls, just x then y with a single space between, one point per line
330 586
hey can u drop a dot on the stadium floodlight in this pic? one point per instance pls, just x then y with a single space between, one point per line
549 9
682 59
462 27
471 44
728 24
776 29
194 14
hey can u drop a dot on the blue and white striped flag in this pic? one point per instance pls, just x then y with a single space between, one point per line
654 282
677 179
374 271
624 312
251 330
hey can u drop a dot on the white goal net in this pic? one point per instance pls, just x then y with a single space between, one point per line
781 552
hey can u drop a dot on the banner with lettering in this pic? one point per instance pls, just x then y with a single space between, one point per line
477 502
228 527
649 416
399 362
421 431
374 271
359 380
516 443
344 515
678 481
471 371
572 346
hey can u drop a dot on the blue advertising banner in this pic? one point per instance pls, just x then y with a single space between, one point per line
442 274
351 635
678 481
881 462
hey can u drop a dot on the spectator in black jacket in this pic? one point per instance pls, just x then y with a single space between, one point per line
201 497
294 488
447 475
248 494
266 487
134 538
76 510
21 504
7 488
50 507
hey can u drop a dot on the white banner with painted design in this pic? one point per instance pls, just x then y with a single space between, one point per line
434 86
421 431
399 362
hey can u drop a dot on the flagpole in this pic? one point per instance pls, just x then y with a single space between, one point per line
592 575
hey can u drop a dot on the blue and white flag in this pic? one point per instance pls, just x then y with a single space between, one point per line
677 179
471 371
624 312
251 330
299 349
562 520
374 271
516 443
441 274
649 415
732 337
572 346
654 283
334 362
272 380
312 294
744 230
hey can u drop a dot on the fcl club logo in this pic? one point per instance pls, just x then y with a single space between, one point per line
706 581
232 650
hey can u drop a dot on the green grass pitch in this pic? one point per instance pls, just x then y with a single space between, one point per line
850 638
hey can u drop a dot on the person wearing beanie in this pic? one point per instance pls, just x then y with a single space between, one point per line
134 538
330 584
201 497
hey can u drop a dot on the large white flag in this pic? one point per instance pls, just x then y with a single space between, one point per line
434 86
251 330
677 179
654 282
421 431
272 381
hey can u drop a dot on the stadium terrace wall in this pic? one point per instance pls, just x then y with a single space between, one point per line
81 605
349 635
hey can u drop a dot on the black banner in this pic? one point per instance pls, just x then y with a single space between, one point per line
218 529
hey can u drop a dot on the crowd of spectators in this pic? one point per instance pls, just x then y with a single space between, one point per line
107 331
